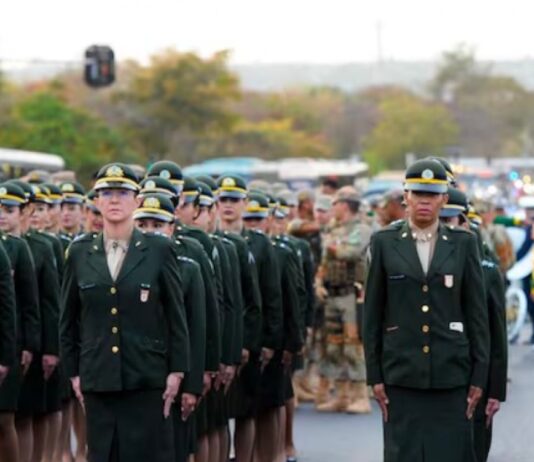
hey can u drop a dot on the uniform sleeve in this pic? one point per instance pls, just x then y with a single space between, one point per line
476 314
50 301
69 322
269 280
211 272
373 314
354 246
293 338
8 322
28 299
229 308
252 316
498 334
172 300
195 304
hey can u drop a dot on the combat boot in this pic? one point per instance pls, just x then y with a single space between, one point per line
340 402
359 402
323 391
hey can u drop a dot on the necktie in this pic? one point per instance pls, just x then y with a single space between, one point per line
114 258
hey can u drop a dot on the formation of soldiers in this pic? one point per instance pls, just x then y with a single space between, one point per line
148 314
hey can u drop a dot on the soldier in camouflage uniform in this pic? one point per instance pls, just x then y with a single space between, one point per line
339 283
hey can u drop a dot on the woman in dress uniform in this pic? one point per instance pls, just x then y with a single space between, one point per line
123 329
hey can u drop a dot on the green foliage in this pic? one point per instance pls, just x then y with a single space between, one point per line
408 124
43 122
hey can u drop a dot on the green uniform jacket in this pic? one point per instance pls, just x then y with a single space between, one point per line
269 284
288 264
191 248
292 243
195 307
128 334
498 370
26 294
252 318
8 317
213 328
59 251
232 328
425 332
48 290
308 268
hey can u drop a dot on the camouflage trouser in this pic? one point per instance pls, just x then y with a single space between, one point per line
343 358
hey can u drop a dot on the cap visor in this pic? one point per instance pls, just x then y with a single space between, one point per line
115 185
255 215
153 216
449 213
234 194
426 187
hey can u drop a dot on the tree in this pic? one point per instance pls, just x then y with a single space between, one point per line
43 122
179 92
408 124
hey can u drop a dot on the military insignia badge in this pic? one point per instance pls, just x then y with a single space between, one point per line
152 203
449 281
150 184
165 174
3 191
254 204
67 187
143 296
114 171
228 183
427 174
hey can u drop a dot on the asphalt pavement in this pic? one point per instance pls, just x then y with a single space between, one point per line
346 438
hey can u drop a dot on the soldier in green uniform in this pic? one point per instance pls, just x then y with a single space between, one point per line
232 332
27 333
40 393
339 283
72 208
425 329
54 210
277 373
454 214
255 355
124 336
156 214
93 217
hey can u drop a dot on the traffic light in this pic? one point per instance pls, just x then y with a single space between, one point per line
99 66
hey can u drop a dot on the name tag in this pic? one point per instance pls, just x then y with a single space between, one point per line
397 277
449 281
145 292
457 326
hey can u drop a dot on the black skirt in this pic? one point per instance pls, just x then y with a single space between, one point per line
128 426
32 397
246 392
272 390
428 425
10 389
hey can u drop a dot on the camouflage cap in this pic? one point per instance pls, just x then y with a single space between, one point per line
260 185
346 194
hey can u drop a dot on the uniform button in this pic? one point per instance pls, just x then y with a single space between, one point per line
426 349
115 349
114 310
114 329
426 329
113 290
425 308
425 288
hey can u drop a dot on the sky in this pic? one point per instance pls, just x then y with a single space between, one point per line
273 31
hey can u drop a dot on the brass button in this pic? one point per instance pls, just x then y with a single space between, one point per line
114 310
114 330
115 349
426 349
426 329
113 290
425 288
425 308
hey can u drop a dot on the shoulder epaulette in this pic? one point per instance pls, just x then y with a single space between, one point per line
83 237
488 264
186 259
458 229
